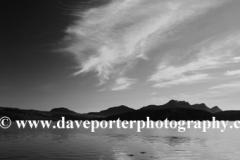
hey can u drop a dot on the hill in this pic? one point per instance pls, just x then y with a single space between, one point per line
54 114
112 111
182 104
170 114
62 110
173 110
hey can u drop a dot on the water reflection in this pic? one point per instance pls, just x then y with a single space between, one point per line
120 152
173 140
118 145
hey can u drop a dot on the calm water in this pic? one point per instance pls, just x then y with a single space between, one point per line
115 144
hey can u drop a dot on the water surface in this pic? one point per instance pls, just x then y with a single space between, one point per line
119 144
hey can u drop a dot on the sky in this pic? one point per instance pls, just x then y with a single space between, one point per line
89 55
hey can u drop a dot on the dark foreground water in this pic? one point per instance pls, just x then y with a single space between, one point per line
116 144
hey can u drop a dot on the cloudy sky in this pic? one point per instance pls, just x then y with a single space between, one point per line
89 55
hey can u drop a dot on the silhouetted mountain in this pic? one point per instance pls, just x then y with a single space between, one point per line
170 104
173 110
62 110
113 111
170 114
22 114
201 106
180 104
216 109
177 104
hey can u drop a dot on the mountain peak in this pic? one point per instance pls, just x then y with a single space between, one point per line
173 101
118 107
62 110
182 104
215 109
113 111
200 104
177 103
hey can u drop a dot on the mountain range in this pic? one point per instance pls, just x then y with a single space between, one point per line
173 110
182 104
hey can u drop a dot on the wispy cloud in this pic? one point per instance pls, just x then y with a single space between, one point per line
123 83
204 57
232 85
232 73
161 99
236 59
110 38
189 79
154 93
215 94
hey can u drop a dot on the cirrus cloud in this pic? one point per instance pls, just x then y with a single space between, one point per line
122 84
232 73
206 56
109 39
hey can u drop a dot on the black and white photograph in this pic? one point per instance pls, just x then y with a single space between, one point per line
119 79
